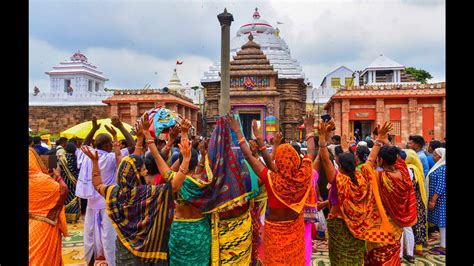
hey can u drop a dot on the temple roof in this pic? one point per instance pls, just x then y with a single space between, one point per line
77 64
175 82
274 47
251 60
382 62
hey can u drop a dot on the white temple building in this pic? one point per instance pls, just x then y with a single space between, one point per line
272 45
73 82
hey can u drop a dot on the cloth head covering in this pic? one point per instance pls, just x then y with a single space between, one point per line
442 161
141 214
413 162
398 195
292 184
441 153
362 143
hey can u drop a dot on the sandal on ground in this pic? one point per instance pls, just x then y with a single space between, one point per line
438 251
410 259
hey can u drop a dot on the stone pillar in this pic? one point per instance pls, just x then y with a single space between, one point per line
114 109
337 117
133 112
225 19
412 110
345 117
379 111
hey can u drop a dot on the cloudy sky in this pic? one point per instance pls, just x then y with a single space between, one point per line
138 42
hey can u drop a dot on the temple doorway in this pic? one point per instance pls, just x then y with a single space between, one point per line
246 120
362 129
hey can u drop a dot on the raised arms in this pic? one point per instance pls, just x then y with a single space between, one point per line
262 148
90 136
235 126
382 139
309 126
324 129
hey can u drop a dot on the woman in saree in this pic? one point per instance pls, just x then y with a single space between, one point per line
288 182
356 215
190 233
415 167
47 220
69 173
140 213
397 194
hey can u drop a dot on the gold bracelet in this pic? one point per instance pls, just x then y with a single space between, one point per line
183 171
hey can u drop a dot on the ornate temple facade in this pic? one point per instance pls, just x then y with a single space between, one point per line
266 84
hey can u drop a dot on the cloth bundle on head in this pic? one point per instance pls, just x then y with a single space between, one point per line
161 119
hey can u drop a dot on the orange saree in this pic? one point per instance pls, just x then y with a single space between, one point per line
292 186
47 220
398 198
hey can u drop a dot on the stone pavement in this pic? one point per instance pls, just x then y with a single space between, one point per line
73 251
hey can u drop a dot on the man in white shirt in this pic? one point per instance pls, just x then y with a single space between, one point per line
99 234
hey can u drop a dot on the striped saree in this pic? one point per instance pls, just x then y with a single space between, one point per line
69 173
141 214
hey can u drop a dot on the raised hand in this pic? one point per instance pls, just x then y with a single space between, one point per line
309 121
344 143
137 129
277 139
185 148
145 121
256 129
95 126
253 147
93 156
112 131
202 147
174 131
186 126
116 122
383 132
232 122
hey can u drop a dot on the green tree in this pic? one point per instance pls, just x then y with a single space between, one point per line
420 75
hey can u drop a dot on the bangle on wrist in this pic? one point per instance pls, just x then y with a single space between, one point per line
262 148
184 171
379 143
241 140
322 144
308 137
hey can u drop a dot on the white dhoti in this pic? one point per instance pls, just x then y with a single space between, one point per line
99 236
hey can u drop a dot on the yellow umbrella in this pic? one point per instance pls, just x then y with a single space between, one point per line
81 130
